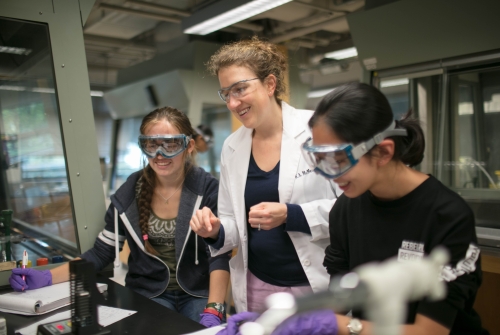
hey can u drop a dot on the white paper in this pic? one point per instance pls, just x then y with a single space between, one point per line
107 316
208 331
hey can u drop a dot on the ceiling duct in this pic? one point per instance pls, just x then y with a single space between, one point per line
177 78
307 30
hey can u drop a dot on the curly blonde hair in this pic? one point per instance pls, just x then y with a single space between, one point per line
262 57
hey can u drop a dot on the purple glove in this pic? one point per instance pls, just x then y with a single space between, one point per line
321 322
234 321
34 279
209 320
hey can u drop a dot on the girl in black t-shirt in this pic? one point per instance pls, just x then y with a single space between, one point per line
387 210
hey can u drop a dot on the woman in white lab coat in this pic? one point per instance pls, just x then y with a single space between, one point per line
272 207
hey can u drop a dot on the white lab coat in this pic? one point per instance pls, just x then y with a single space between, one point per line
297 185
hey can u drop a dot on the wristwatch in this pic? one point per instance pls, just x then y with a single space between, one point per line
355 327
219 307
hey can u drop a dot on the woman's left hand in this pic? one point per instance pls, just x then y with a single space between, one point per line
209 320
267 215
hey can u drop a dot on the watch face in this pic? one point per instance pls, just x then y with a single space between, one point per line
355 326
219 307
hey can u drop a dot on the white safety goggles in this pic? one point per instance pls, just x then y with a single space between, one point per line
168 146
332 161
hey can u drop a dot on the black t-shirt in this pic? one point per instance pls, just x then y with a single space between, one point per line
365 229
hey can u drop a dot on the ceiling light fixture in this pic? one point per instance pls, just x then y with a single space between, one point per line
342 54
320 93
394 82
12 88
43 90
14 50
225 13
96 93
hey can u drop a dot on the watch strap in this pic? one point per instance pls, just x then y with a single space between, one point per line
214 312
219 307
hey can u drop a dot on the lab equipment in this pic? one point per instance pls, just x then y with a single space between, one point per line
381 289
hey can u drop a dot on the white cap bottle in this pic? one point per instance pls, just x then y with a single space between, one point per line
3 326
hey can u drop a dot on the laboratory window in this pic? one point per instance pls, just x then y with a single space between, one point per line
34 182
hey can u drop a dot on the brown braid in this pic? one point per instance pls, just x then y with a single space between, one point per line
182 123
144 204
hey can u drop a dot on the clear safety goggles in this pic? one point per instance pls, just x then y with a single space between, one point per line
168 146
236 90
332 161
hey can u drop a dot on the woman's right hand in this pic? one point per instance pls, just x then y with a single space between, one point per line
205 223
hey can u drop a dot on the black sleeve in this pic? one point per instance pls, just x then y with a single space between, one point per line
456 231
336 254
103 251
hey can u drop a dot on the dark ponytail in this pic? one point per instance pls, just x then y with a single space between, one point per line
409 149
356 112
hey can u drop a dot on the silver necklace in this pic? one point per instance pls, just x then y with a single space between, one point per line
166 199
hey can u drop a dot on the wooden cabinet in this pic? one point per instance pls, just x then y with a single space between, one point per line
488 297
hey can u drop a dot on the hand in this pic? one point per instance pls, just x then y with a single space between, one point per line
205 223
320 322
234 321
33 279
268 215
209 320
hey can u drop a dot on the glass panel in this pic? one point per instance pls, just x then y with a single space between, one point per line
474 166
425 104
219 120
397 92
128 154
421 95
34 184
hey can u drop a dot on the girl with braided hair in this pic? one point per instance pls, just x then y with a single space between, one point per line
168 263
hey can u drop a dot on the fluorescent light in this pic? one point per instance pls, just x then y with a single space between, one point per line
342 54
319 93
43 90
12 88
14 50
465 108
394 82
492 106
230 16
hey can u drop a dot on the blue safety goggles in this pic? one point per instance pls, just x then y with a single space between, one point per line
168 146
333 161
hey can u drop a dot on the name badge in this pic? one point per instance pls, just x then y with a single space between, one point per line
408 255
410 251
